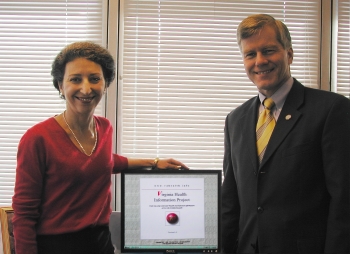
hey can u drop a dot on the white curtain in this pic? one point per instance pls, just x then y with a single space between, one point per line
31 35
181 72
341 48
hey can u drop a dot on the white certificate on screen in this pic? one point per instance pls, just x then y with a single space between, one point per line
172 208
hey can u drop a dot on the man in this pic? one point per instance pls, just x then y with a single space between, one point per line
294 196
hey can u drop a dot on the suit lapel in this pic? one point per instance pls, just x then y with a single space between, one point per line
248 124
288 118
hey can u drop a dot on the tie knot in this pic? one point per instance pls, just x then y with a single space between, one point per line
269 103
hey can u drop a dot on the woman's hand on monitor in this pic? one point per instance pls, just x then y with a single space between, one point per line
169 164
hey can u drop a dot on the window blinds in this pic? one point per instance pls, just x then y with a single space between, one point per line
341 67
181 72
31 35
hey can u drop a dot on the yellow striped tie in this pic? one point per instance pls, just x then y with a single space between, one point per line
266 124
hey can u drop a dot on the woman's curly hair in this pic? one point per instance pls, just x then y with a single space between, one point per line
87 50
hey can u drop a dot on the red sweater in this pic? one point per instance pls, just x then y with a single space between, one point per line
58 188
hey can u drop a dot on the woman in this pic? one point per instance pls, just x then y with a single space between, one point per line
64 164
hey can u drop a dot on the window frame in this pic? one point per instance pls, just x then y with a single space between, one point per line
117 10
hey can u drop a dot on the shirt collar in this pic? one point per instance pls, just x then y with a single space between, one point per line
279 97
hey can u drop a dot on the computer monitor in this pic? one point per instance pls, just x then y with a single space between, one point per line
170 211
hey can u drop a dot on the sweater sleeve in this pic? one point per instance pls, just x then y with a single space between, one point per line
120 163
27 193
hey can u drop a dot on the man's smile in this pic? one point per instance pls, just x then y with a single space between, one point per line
263 72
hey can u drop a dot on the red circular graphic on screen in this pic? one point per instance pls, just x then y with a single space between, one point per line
172 218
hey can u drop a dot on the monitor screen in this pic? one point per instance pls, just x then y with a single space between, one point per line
170 211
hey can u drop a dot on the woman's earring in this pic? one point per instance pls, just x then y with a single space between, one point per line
61 95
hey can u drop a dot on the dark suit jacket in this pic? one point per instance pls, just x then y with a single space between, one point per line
297 200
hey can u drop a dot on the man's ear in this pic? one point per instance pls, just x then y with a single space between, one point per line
290 53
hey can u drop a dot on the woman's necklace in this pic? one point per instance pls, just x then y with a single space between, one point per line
82 148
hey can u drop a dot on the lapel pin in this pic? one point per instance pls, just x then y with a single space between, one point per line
288 117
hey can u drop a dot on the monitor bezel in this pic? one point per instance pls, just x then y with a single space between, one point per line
218 173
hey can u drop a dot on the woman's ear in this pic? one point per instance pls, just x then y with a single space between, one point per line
61 90
59 86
